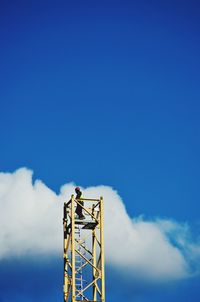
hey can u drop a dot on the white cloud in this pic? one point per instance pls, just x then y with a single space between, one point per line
31 223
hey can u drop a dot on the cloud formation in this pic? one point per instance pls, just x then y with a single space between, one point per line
31 223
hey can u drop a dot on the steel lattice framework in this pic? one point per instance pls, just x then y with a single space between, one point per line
84 276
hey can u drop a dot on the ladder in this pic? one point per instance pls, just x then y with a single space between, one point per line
79 281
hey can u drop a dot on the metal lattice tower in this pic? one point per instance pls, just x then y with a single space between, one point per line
84 277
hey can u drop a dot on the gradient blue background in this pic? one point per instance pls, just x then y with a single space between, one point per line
103 92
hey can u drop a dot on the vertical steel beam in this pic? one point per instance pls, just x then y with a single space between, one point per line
65 276
73 248
102 250
94 256
66 280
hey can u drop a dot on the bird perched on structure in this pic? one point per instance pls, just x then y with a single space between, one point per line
79 209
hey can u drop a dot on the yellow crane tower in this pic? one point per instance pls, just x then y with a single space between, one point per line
84 276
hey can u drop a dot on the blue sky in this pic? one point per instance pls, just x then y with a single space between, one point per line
105 93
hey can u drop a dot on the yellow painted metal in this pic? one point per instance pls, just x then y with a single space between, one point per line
73 248
102 249
88 248
94 264
66 286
